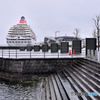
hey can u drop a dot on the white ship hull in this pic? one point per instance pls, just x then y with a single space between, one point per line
21 42
21 34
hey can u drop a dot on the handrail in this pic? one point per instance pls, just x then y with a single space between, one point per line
30 52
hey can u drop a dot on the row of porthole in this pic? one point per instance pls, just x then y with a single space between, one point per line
18 41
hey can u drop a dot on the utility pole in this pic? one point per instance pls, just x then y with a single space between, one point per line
56 33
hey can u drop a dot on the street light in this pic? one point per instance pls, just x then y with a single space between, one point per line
56 33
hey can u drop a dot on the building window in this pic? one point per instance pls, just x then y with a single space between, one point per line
21 41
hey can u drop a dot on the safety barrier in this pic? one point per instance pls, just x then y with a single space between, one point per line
37 52
93 55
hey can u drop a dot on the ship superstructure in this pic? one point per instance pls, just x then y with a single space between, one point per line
21 34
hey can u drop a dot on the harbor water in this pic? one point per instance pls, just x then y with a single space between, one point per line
10 91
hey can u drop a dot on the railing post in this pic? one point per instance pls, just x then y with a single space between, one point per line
58 53
30 53
96 57
44 54
99 55
9 53
88 53
2 53
16 53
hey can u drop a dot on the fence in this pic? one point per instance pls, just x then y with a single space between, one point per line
17 52
93 55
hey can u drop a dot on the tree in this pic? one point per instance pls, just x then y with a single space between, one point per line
76 32
94 33
96 22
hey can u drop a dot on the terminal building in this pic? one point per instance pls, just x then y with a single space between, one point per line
49 40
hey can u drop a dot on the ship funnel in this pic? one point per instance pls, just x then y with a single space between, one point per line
23 21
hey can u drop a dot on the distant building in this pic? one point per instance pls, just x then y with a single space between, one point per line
49 40
67 38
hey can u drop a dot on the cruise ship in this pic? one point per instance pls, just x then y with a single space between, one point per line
21 34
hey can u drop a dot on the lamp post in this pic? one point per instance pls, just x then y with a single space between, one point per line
56 33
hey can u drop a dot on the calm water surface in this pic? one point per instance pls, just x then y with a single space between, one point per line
20 92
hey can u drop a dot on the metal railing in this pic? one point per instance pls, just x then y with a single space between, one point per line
14 52
93 55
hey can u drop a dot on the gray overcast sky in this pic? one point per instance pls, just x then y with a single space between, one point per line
47 16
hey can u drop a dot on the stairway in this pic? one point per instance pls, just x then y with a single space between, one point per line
83 76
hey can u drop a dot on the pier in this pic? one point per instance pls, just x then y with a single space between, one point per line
64 78
67 73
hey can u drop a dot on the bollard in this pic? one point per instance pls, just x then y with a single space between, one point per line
92 54
96 57
88 53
